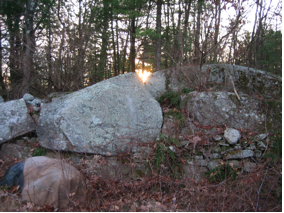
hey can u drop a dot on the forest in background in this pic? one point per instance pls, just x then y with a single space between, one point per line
58 45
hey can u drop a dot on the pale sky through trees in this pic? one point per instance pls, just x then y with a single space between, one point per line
80 42
229 13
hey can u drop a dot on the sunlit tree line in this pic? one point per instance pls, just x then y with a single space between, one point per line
59 45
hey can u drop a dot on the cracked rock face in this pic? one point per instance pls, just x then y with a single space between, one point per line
107 118
14 120
218 108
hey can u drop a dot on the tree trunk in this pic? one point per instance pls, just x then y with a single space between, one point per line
29 46
114 47
132 44
145 41
217 27
252 41
124 54
197 33
103 56
158 34
50 76
117 47
185 27
2 85
79 67
177 38
167 14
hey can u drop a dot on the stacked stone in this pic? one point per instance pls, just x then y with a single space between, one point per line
228 149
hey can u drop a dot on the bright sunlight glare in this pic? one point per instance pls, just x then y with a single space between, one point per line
143 74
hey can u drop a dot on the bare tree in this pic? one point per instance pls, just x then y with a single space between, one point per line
158 35
29 47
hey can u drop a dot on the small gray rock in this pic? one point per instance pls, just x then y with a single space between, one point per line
249 166
172 148
217 137
1 99
15 151
235 163
36 109
260 137
217 149
238 146
28 97
239 154
20 142
36 102
35 116
251 147
212 164
226 151
33 141
184 143
215 156
261 145
198 162
232 136
195 172
257 153
223 143
198 157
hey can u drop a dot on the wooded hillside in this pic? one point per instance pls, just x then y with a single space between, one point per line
59 45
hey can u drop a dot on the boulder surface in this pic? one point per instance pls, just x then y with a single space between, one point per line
109 117
14 120
52 181
156 84
219 108
217 77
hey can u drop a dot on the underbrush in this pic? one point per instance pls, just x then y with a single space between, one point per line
166 160
165 188
260 190
172 99
256 191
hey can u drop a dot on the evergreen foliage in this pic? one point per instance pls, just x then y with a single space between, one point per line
170 98
57 46
270 52
165 158
221 173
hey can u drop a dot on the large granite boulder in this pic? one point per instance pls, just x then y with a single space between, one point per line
247 80
14 120
219 108
109 117
156 84
216 77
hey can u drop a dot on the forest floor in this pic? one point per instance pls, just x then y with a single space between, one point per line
259 190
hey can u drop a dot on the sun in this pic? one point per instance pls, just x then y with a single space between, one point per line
143 75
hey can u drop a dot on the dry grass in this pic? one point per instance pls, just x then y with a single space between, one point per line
260 190
256 191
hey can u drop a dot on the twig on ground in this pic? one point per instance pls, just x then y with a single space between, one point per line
270 191
215 185
258 191
233 83
160 182
265 125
